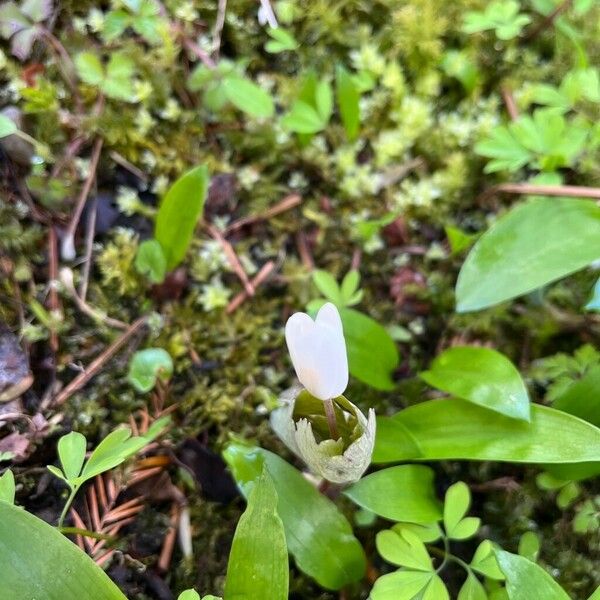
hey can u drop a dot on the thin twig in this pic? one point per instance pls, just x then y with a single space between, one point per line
164 560
53 300
287 203
548 20
66 278
542 190
395 174
96 365
85 190
120 160
218 30
89 246
258 279
232 257
304 251
198 52
509 102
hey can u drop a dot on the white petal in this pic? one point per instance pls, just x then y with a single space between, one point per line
335 363
329 315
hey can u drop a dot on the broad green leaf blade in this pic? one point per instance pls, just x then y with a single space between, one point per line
526 580
36 561
258 563
109 453
455 429
436 589
7 126
484 561
595 595
482 376
248 97
403 493
7 487
318 536
303 118
71 451
179 212
189 595
401 585
582 397
325 282
372 354
532 245
348 98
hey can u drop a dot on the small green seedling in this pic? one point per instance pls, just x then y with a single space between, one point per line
147 366
114 449
501 16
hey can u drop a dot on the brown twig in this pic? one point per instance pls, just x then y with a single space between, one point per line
96 365
120 160
287 203
575 191
304 251
85 190
53 300
218 30
258 279
66 278
232 257
197 51
164 560
397 173
89 246
509 102
547 20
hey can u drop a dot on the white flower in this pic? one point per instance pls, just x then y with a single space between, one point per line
318 352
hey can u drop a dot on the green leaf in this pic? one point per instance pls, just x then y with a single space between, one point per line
303 118
115 23
36 561
71 452
349 286
404 550
7 487
482 376
348 98
458 239
436 590
502 146
429 532
529 545
150 260
258 562
327 285
372 354
324 101
318 536
89 68
401 585
189 595
472 589
466 528
595 595
281 41
516 256
248 97
179 212
118 83
147 366
402 493
7 126
456 504
526 580
484 561
581 398
455 429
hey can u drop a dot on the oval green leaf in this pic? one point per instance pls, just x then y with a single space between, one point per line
455 429
318 535
403 493
372 354
532 245
248 97
179 212
482 376
36 561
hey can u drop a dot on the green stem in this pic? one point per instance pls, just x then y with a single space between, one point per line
67 505
331 422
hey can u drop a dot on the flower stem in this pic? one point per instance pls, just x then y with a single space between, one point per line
66 507
331 422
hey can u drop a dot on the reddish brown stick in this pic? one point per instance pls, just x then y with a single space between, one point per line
258 279
575 191
287 203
